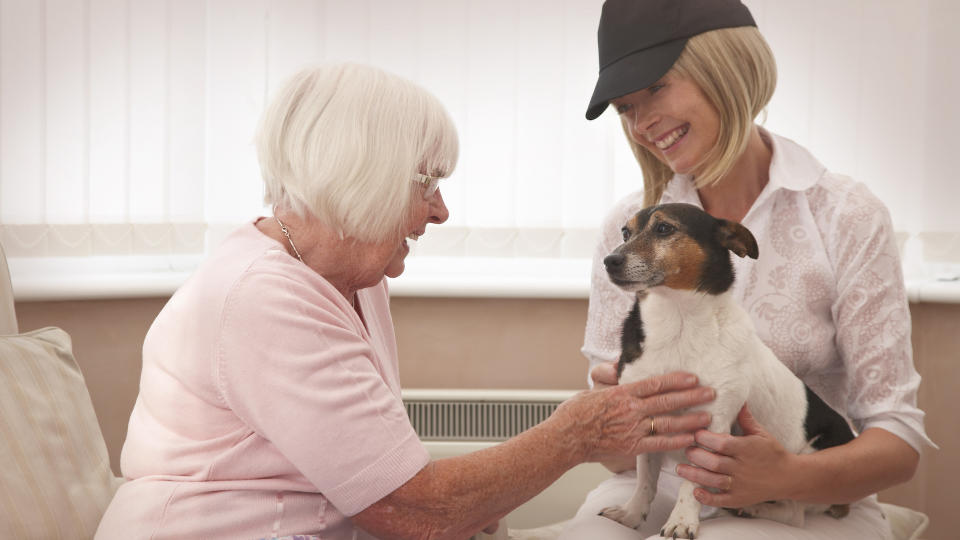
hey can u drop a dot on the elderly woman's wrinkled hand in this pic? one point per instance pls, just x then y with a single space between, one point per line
638 417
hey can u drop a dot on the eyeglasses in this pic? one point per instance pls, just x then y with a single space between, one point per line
429 184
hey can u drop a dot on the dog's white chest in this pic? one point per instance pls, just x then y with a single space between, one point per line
690 332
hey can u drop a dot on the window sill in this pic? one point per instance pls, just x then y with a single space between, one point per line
120 277
493 277
85 278
92 278
933 291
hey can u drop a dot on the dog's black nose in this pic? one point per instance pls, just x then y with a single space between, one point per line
613 262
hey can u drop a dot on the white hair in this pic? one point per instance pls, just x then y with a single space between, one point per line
343 142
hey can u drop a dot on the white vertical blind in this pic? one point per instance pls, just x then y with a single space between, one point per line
107 104
65 117
186 97
236 73
126 126
148 79
23 112
940 110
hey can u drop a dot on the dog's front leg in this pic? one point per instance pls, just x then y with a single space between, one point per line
684 520
634 512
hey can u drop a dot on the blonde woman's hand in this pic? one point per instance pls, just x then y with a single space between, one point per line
604 375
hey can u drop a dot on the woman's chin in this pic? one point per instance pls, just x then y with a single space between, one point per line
680 167
398 263
393 271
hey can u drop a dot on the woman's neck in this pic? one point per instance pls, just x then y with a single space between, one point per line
732 197
320 248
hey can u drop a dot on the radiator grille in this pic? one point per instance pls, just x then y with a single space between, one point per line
475 421
467 418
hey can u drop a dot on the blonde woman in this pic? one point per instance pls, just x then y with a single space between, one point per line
688 79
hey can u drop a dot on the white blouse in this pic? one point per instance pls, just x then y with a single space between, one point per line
827 293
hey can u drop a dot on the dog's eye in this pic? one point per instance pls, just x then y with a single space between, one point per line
664 228
626 233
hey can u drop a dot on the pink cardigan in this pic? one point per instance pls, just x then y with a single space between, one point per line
266 407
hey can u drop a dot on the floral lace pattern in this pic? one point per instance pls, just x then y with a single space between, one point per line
827 293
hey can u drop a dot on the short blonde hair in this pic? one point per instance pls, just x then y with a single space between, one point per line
736 71
343 142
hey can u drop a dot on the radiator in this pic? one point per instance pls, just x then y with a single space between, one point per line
452 422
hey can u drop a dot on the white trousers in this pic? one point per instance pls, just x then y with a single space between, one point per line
865 521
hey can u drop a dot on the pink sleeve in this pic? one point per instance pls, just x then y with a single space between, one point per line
296 367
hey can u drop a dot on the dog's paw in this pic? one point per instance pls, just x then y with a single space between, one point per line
739 512
838 511
623 516
680 529
746 512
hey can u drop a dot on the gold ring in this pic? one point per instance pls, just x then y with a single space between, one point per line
653 429
729 483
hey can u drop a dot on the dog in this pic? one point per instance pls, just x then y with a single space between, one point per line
676 259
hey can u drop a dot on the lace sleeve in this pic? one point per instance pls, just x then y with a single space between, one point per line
609 304
872 319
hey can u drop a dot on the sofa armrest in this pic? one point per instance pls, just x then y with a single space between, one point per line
8 317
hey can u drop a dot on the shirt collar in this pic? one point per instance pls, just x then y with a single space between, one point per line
792 167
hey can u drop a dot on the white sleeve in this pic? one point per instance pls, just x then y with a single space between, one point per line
872 318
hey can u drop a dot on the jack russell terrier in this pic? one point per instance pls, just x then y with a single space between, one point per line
676 258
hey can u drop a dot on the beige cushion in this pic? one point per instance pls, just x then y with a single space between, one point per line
8 319
905 523
55 481
549 532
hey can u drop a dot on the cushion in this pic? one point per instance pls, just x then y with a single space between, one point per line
8 318
55 479
905 523
550 532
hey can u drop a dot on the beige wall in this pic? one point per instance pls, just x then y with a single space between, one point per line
501 343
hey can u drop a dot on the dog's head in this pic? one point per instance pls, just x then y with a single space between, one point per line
678 246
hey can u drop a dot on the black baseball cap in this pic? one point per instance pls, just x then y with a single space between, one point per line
639 40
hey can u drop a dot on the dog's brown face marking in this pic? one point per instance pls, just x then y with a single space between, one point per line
686 259
659 252
679 246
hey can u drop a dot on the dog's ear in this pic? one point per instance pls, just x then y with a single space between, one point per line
737 239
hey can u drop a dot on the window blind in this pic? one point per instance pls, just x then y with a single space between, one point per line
126 126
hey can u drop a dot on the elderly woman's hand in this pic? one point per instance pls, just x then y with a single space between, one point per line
638 417
459 496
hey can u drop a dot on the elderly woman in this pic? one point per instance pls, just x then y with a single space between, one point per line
269 401
688 78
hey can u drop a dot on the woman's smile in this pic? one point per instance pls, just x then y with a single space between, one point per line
674 120
668 141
